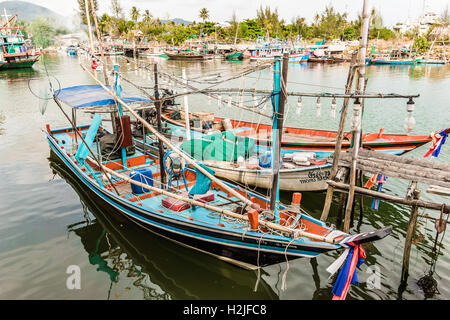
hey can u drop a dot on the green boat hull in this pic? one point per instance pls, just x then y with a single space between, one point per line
17 65
235 55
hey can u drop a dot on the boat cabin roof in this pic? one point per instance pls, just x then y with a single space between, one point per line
92 96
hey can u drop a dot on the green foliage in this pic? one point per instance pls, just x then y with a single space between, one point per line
328 24
41 32
382 33
421 44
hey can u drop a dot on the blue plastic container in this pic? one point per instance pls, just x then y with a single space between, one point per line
265 160
144 176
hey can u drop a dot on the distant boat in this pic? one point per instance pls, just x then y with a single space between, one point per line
15 52
432 61
186 55
236 55
72 51
388 60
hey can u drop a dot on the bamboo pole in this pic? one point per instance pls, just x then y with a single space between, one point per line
94 15
340 137
295 232
357 132
88 20
174 148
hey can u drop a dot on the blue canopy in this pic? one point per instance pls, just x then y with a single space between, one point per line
92 95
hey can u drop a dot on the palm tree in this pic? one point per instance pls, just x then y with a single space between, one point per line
204 14
134 14
147 16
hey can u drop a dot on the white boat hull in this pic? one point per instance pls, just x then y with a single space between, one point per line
301 179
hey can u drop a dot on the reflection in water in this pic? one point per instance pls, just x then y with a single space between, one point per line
157 267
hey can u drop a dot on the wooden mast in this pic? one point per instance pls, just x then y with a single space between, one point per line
99 41
88 20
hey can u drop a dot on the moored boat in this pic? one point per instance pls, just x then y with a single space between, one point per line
15 51
200 211
318 141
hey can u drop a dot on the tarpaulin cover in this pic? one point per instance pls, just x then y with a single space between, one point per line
92 95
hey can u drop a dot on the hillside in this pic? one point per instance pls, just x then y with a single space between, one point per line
28 11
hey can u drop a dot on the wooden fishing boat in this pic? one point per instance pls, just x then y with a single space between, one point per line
236 55
186 55
310 174
15 52
301 139
200 211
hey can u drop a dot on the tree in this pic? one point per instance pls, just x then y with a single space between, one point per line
204 14
147 16
42 32
82 10
116 9
135 14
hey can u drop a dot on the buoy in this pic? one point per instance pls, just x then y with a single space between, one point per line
253 219
296 198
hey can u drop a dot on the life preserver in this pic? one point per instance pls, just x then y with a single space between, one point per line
94 65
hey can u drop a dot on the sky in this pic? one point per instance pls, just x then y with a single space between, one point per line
392 11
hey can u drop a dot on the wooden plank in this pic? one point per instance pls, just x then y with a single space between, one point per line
406 160
439 190
396 172
389 198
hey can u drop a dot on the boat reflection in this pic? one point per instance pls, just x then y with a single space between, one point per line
160 268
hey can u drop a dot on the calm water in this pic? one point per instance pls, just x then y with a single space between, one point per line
48 223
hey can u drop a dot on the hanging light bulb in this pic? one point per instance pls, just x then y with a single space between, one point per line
318 106
333 109
230 98
410 123
299 105
356 117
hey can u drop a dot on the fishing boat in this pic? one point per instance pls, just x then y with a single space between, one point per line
300 139
71 51
186 55
153 52
432 61
269 51
235 55
199 211
15 51
239 160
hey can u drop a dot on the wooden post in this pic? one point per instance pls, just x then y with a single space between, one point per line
340 137
409 236
357 129
159 127
94 15
278 131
